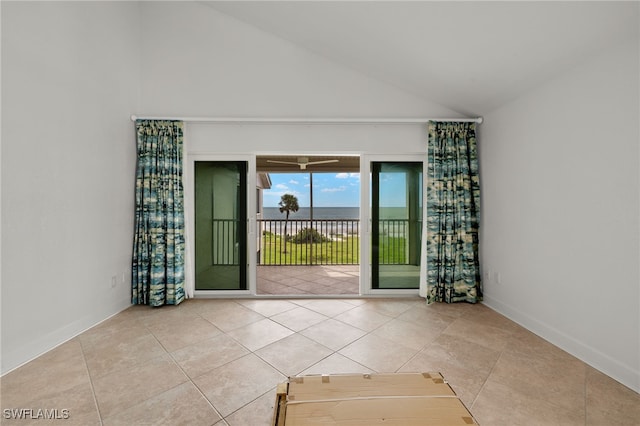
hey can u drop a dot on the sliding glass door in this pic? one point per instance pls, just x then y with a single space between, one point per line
220 225
396 224
223 232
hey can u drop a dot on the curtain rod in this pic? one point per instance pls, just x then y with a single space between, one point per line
250 120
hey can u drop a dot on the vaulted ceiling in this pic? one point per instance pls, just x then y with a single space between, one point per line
469 56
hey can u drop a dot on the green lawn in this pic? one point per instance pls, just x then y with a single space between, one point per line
340 251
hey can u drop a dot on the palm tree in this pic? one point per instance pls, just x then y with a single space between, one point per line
288 203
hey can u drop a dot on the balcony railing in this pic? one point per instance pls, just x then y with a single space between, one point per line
309 242
329 242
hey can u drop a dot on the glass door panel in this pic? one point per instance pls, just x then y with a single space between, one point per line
220 225
396 217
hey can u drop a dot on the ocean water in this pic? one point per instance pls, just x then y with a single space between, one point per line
339 220
318 213
332 213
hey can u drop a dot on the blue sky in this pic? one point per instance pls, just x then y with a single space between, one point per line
329 189
332 189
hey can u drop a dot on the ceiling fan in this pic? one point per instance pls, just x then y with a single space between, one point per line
303 162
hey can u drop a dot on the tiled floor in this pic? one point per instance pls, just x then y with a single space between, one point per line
217 362
328 279
316 280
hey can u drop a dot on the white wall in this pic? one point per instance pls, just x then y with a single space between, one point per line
70 79
224 67
306 139
200 62
220 66
560 182
72 74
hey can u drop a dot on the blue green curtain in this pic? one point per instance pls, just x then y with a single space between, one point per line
453 214
158 242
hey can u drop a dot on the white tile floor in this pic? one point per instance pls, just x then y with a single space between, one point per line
312 280
217 362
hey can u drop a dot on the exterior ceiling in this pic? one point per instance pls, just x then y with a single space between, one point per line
471 56
346 164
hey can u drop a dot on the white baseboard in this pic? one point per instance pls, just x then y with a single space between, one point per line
15 358
596 359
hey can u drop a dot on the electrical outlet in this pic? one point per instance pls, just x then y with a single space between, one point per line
114 281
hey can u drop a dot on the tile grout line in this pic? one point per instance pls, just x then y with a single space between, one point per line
189 378
248 403
294 333
484 383
492 369
333 352
93 391
419 351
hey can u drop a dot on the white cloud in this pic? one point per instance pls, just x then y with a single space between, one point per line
282 186
294 182
348 175
272 193
341 188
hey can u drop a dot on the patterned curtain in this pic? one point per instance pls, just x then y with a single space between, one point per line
158 241
453 214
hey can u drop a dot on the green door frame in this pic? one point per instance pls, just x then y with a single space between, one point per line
412 245
220 200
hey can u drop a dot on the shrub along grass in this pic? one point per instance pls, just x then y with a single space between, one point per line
277 251
337 251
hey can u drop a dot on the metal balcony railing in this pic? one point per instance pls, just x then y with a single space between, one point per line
330 241
316 242
309 242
